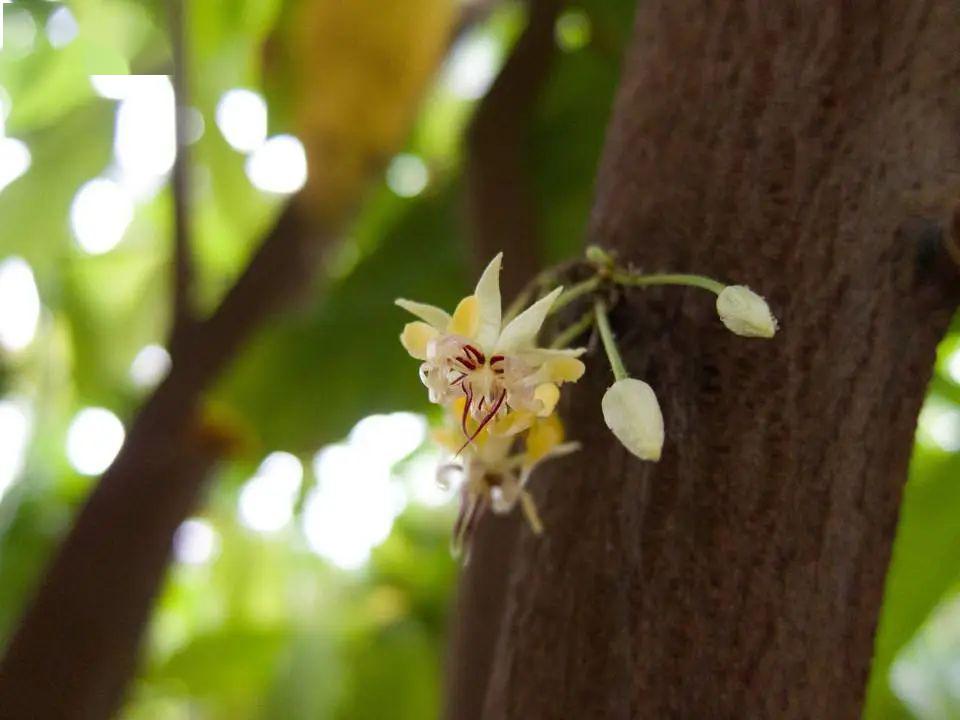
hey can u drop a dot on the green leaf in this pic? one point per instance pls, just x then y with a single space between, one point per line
924 567
233 662
311 375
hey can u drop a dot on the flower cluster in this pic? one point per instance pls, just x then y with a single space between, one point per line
499 389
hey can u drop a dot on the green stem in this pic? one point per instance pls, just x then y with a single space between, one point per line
609 342
626 278
575 291
566 337
540 280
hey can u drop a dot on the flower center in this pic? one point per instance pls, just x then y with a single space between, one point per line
481 382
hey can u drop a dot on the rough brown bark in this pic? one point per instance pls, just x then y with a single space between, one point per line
503 216
776 145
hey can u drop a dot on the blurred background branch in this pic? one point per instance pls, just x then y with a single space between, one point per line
183 272
74 650
504 216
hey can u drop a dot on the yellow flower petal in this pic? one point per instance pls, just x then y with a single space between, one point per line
548 394
564 369
530 512
448 438
466 318
544 436
513 422
415 337
457 407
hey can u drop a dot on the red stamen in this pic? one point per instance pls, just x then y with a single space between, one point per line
471 350
495 359
468 364
466 410
483 423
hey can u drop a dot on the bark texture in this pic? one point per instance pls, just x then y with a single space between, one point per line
775 145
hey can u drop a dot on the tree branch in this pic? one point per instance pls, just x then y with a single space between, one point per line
76 646
502 208
183 310
503 216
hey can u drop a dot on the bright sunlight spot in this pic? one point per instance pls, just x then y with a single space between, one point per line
93 440
150 366
14 160
472 66
15 422
389 438
351 511
62 27
939 425
421 478
19 32
356 500
945 430
113 87
19 304
193 125
267 500
99 215
145 140
278 166
195 542
242 118
5 106
953 366
407 175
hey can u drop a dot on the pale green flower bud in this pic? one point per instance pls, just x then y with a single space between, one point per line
745 313
631 411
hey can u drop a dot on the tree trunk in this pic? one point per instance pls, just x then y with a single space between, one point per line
778 145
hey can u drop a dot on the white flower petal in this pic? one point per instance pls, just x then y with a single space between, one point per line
430 313
631 411
745 313
538 356
522 331
507 494
488 304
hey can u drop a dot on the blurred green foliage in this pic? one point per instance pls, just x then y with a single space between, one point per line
259 625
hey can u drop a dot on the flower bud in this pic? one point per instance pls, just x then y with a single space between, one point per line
599 257
745 313
631 411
